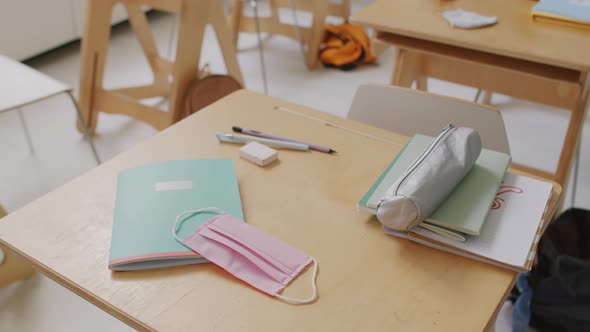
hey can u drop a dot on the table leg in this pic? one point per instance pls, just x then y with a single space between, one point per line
224 38
406 69
95 43
235 18
320 11
12 267
572 135
191 29
422 83
487 98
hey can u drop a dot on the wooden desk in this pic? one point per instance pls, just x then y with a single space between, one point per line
367 279
540 62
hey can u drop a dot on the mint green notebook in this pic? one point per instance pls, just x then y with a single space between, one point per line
149 198
466 208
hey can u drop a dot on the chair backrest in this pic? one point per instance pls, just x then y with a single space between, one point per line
409 112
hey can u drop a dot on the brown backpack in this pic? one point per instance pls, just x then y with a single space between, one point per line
207 89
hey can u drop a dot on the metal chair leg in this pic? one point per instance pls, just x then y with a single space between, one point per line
23 123
87 134
477 95
254 5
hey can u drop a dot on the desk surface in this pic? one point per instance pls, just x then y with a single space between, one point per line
515 35
367 280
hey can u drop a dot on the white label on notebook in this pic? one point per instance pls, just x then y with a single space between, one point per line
174 185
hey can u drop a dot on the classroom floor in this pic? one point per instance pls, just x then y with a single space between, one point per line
38 304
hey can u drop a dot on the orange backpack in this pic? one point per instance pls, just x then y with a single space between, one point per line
345 46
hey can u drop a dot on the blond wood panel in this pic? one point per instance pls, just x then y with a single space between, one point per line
193 17
191 30
14 267
574 130
320 12
515 35
341 9
141 28
534 171
171 6
224 39
235 15
93 57
406 69
165 66
547 84
480 57
144 91
114 103
367 280
550 91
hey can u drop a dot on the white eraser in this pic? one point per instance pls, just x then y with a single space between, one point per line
259 154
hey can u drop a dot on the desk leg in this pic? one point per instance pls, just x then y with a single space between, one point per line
235 18
13 267
572 136
422 83
224 38
320 11
191 29
487 98
95 43
378 46
407 69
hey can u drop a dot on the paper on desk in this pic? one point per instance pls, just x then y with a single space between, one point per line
511 226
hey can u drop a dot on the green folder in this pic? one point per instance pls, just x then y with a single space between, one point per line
149 198
466 207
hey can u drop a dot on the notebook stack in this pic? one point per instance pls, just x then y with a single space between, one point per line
490 216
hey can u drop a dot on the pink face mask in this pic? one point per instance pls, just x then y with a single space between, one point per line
248 253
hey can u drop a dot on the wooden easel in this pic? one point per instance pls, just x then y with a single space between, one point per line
170 77
14 267
311 37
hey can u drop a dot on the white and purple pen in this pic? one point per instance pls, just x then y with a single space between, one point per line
280 138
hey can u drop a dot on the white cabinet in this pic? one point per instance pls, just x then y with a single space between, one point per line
31 27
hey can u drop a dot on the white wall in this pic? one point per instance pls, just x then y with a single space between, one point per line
31 27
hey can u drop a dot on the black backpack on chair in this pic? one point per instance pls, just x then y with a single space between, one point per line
561 278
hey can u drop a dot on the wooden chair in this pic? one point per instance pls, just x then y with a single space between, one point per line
12 266
171 78
310 37
408 112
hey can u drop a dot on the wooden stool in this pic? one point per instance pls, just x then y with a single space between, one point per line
170 78
312 37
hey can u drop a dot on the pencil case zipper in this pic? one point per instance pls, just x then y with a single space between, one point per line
441 137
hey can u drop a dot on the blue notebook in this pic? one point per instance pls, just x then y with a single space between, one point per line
573 13
149 198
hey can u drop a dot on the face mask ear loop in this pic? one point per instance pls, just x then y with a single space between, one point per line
180 216
313 285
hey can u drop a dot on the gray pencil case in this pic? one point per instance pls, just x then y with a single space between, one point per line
430 179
